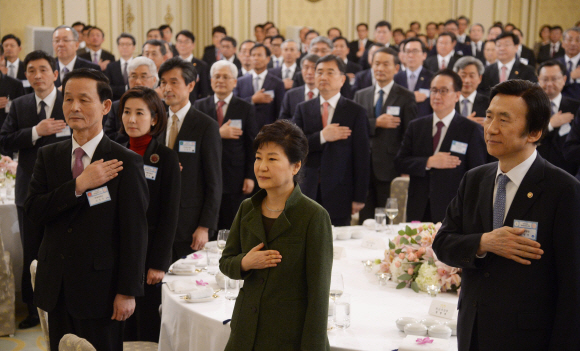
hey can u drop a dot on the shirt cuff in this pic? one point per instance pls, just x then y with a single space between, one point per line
481 256
35 135
322 140
550 128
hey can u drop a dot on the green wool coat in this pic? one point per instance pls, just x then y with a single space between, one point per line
284 307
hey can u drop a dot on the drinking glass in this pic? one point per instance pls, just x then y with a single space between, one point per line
222 238
380 219
392 210
336 286
232 288
342 312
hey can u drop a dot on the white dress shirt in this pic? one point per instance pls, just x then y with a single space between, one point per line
180 117
99 52
331 107
574 60
557 101
446 121
461 38
262 78
290 70
386 90
475 46
231 59
471 99
509 66
244 72
14 64
516 175
227 103
70 66
275 59
446 58
49 100
314 91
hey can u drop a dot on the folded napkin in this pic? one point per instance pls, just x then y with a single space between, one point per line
200 292
418 343
182 286
369 223
183 267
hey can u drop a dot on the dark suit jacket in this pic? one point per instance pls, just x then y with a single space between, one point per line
341 167
113 124
438 186
16 135
432 64
545 53
265 113
490 76
362 79
292 98
353 47
88 253
528 54
423 82
209 55
571 89
114 72
202 87
105 55
385 143
278 72
364 59
545 317
552 145
79 63
237 62
346 90
352 67
460 49
571 147
237 154
163 210
480 105
201 177
297 290
9 87
20 75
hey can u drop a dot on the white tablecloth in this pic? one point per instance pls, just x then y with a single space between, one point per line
10 233
374 309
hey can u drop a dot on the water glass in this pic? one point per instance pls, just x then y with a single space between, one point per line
232 288
222 238
380 219
342 312
433 290
213 263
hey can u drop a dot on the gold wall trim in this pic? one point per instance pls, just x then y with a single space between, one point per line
42 12
89 12
62 10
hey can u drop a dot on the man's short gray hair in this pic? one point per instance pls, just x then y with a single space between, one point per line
74 31
321 39
479 25
289 41
143 61
466 61
221 64
309 57
573 29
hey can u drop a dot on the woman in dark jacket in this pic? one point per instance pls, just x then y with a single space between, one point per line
144 117
280 244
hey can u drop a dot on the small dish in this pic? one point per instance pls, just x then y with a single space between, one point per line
357 234
440 331
180 272
428 322
403 321
416 329
344 235
453 325
203 299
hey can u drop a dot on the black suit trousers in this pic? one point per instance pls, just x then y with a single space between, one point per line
229 208
379 192
145 323
102 333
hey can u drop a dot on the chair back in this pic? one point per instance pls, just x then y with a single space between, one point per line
399 190
71 342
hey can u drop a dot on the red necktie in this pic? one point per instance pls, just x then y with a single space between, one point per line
310 95
220 112
437 135
553 50
443 64
78 168
502 76
324 114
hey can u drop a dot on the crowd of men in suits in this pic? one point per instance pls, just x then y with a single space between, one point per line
405 103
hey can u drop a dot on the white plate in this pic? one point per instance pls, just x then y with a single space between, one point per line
205 299
183 273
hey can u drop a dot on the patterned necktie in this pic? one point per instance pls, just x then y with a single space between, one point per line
220 112
287 73
464 109
437 135
443 64
412 82
95 59
553 51
173 131
503 74
125 76
256 84
499 203
324 114
570 71
379 105
276 64
12 71
554 109
310 95
42 113
78 167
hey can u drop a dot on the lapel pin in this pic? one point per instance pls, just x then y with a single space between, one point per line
195 64
155 158
530 195
421 78
517 72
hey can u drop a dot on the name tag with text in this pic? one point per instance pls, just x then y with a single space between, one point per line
458 147
236 123
187 146
531 228
427 92
65 132
150 172
98 196
393 110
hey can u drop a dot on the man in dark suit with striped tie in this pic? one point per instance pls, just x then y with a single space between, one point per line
305 92
65 42
471 104
117 71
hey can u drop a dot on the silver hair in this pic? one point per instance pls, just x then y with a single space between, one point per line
74 31
466 61
221 64
143 61
573 29
289 41
480 25
322 39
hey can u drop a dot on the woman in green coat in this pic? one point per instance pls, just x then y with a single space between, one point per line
280 244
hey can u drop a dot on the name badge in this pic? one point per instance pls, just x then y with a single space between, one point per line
531 228
270 92
98 196
458 147
427 92
65 132
393 110
564 129
187 146
442 309
150 172
524 60
237 123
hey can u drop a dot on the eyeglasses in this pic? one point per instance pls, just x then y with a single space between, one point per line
442 91
551 79
58 41
414 51
141 77
218 77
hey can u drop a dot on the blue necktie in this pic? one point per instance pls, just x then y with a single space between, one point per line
379 105
464 108
256 84
499 203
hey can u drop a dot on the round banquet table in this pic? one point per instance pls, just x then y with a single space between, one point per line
373 308
10 236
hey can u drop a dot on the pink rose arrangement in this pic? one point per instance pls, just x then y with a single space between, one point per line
9 165
407 254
